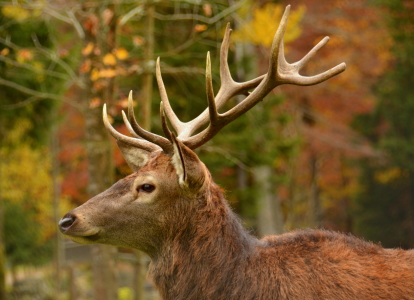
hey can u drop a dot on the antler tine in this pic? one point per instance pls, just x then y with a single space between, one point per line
311 53
225 75
230 88
210 92
277 45
129 127
141 144
164 124
175 122
149 136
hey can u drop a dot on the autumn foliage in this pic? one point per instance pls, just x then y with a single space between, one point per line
323 155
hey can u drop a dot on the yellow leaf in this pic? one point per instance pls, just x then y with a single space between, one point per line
95 102
389 175
35 193
17 13
88 49
121 53
94 74
109 59
261 29
37 65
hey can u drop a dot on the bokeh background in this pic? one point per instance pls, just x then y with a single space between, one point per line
339 155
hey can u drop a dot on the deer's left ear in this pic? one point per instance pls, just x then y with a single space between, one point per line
189 168
134 156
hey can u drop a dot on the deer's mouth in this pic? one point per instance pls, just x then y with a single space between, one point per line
88 239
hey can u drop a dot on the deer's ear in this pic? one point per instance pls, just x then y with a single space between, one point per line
189 168
134 156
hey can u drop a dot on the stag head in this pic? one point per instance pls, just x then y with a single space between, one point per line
170 184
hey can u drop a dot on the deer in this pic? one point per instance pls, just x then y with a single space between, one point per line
171 209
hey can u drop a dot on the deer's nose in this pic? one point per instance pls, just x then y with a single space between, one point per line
66 222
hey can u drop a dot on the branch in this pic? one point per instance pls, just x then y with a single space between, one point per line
52 56
182 70
33 69
34 94
137 10
20 104
76 24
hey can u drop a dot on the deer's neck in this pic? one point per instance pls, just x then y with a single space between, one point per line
206 253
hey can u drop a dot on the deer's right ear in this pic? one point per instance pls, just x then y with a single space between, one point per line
134 156
187 165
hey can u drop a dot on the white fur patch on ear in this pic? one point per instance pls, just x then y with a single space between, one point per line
179 166
136 161
135 157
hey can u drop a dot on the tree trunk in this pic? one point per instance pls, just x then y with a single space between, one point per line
101 34
2 253
147 80
58 251
145 115
73 295
139 275
100 169
270 217
314 201
2 244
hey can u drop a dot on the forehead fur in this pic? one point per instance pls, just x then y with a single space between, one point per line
159 162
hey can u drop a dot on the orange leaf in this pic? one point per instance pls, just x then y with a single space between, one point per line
24 55
138 41
88 49
95 75
86 66
95 102
207 9
91 24
121 53
5 51
123 102
200 27
107 73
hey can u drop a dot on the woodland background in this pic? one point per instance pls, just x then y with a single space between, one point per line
339 155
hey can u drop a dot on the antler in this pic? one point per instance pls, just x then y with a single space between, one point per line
279 72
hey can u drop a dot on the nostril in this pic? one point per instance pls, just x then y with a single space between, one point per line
66 222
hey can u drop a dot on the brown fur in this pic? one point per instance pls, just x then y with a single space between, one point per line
200 250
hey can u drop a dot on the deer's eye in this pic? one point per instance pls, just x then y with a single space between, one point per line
147 188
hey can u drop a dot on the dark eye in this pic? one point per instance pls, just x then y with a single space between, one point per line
148 188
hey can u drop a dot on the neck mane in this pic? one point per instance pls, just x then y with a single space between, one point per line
205 253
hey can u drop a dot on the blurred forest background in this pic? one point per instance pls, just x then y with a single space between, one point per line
339 155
